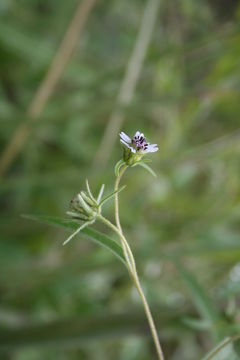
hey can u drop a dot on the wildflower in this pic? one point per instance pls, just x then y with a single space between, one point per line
135 148
138 143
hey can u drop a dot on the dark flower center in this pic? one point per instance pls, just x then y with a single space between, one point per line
139 143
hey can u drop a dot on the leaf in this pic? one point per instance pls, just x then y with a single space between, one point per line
146 167
85 224
223 351
89 191
101 191
118 166
112 194
201 300
96 236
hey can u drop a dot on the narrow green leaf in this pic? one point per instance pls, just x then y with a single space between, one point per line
77 231
118 166
96 236
89 191
223 351
112 194
202 302
100 193
146 167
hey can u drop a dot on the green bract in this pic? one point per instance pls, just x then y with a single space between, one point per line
131 158
85 207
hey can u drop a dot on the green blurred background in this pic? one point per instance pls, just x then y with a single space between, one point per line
77 302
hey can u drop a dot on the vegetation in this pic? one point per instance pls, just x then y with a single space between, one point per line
171 70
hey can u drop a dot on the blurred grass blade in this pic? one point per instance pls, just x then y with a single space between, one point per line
202 302
197 324
223 351
96 236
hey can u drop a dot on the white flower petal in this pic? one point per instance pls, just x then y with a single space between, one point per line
127 145
125 137
152 148
153 145
137 134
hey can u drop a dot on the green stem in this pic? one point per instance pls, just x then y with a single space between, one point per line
131 264
126 248
134 276
221 346
117 181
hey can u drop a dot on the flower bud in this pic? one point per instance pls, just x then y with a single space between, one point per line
83 207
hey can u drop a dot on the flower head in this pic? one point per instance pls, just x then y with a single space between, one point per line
135 148
138 143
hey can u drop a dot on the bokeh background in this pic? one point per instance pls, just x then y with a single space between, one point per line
77 302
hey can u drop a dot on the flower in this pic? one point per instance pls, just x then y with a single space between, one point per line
135 148
138 143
